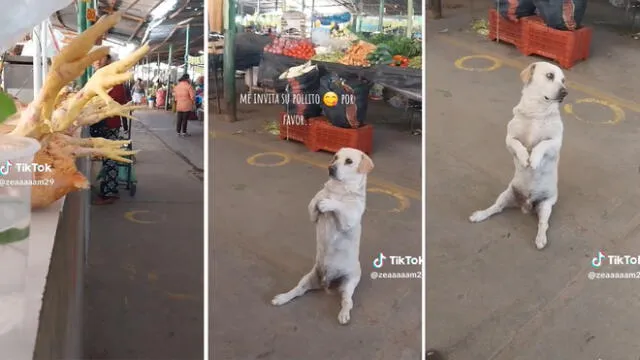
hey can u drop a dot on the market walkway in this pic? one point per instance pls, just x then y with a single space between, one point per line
144 290
263 242
490 293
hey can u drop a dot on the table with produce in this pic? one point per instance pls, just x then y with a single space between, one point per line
391 60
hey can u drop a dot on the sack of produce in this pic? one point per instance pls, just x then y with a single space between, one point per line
350 109
515 9
562 14
301 92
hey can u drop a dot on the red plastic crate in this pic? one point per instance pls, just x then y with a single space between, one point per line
565 47
324 136
293 128
502 29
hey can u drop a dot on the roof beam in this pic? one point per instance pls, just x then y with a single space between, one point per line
144 20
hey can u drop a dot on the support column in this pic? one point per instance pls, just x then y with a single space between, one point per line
82 26
186 49
229 60
409 18
37 62
169 61
381 16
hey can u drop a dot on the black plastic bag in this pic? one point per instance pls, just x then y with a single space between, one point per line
301 94
515 9
562 14
350 111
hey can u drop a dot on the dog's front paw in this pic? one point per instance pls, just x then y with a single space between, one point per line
280 299
534 161
326 205
344 317
541 241
478 216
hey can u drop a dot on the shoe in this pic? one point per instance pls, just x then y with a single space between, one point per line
186 134
103 201
434 355
179 134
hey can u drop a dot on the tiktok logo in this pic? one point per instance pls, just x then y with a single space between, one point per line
596 262
4 169
379 261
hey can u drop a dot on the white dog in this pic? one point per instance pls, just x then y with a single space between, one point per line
337 211
534 138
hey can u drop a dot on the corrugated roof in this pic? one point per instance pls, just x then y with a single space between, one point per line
370 7
139 25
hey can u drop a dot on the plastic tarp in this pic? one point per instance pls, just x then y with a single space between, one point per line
329 19
20 17
406 79
249 49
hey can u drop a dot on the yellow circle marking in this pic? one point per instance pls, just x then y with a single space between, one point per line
403 202
618 113
497 63
132 216
252 160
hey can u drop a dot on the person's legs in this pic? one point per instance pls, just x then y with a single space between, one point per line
179 122
185 121
109 183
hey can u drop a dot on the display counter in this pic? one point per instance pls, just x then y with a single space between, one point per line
55 276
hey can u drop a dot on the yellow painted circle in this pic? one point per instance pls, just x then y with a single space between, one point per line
403 202
496 63
618 113
252 160
133 217
330 99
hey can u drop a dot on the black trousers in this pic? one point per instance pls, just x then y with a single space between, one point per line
183 119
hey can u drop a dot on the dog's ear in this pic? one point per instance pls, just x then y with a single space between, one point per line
366 164
527 74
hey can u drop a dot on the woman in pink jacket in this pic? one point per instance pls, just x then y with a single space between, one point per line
184 96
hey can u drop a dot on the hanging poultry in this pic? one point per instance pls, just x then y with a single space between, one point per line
56 115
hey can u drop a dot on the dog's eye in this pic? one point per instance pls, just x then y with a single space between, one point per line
348 161
550 76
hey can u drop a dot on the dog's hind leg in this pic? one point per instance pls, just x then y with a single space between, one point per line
347 288
506 199
308 282
544 213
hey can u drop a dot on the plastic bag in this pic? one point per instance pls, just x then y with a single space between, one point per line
562 14
301 92
350 110
21 17
515 9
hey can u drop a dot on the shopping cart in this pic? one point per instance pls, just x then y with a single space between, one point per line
126 171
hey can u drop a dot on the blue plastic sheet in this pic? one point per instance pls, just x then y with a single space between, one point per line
338 19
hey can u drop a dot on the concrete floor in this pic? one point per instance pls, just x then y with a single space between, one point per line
144 284
490 293
262 243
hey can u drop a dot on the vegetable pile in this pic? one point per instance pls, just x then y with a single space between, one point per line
333 57
299 49
400 61
357 54
382 55
416 62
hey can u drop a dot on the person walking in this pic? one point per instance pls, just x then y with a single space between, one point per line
138 92
184 96
109 128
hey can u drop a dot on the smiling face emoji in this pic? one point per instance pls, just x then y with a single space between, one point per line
330 99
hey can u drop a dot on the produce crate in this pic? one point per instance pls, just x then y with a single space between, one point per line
324 136
502 29
297 132
565 47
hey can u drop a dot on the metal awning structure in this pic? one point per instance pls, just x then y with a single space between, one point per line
369 7
159 22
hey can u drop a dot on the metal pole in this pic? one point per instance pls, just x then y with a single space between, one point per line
381 17
258 7
354 25
186 49
158 67
166 101
82 26
229 61
313 8
409 18
44 35
37 62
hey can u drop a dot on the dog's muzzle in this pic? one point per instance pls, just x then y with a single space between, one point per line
562 93
332 171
